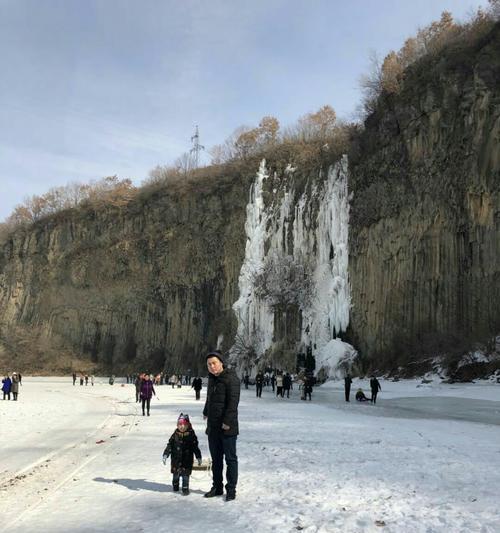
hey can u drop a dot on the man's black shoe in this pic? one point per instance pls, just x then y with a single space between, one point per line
214 492
175 488
230 496
185 491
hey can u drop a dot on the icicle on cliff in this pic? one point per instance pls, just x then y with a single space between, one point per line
255 318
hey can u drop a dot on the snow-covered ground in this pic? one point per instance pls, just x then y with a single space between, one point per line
319 466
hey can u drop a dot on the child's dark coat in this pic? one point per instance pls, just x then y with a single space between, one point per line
181 447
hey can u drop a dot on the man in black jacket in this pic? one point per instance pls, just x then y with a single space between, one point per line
347 386
221 413
259 381
197 386
375 387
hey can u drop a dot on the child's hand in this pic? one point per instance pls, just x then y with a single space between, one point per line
164 459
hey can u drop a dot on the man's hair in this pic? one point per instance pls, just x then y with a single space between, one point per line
215 353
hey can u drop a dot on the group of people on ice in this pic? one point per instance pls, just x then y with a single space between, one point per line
10 385
221 413
164 378
144 390
83 378
282 382
360 395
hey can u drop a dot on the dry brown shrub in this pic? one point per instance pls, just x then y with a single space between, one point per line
392 72
430 41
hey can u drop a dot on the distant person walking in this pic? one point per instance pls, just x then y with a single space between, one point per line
81 381
86 380
308 387
15 386
347 386
375 387
147 391
279 385
138 383
259 382
287 384
246 380
221 413
74 378
197 386
6 386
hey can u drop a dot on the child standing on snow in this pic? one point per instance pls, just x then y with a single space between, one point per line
182 445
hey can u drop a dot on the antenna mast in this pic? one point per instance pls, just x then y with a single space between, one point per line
197 148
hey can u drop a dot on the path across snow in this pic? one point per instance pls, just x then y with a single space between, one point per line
320 466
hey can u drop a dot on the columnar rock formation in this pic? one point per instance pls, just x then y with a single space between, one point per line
425 225
129 288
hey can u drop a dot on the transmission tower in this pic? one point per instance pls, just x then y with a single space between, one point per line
197 148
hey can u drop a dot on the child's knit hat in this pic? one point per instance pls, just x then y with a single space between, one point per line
183 419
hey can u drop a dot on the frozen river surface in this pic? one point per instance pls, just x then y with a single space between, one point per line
435 406
424 459
467 410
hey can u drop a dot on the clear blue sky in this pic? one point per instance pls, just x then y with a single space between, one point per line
91 88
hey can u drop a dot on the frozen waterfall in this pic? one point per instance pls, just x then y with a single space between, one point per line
255 318
318 239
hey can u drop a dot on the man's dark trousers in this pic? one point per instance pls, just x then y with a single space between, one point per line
347 392
222 446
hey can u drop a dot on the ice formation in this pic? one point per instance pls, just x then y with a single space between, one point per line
255 318
318 223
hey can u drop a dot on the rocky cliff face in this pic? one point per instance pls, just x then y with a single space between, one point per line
425 215
129 288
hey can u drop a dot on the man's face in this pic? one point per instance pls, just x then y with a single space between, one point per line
214 366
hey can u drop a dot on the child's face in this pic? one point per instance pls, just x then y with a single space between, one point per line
182 426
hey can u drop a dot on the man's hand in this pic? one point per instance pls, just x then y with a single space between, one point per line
225 426
164 459
205 417
199 462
